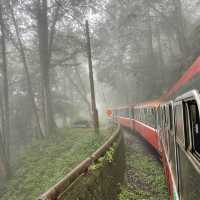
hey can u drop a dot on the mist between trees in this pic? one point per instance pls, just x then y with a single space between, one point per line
139 48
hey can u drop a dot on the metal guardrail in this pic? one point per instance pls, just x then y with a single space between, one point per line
57 190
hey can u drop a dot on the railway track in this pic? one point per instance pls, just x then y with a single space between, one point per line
144 178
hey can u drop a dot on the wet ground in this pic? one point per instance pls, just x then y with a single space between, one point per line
144 179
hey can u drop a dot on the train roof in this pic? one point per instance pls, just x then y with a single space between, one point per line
121 107
153 103
185 78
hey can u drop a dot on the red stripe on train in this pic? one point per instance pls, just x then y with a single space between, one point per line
147 132
124 121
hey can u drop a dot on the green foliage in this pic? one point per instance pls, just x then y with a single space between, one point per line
146 180
46 162
109 155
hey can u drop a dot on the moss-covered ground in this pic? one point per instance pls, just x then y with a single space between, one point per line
145 179
46 162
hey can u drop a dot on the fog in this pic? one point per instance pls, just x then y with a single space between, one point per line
139 48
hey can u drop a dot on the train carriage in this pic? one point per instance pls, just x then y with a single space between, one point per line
144 122
187 137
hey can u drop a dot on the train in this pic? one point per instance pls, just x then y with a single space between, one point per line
171 125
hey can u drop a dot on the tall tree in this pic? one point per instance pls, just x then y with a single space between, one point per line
5 132
45 48
26 70
179 21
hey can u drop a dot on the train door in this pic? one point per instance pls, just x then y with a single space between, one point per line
166 134
158 126
179 144
172 138
162 130
163 125
187 133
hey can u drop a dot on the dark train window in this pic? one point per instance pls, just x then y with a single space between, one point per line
163 117
179 124
126 112
132 113
159 117
187 127
194 126
166 116
170 117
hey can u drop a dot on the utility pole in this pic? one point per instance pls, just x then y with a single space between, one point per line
93 101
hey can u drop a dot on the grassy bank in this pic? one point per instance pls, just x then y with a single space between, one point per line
45 162
145 178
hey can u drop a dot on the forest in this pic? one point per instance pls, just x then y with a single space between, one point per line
139 49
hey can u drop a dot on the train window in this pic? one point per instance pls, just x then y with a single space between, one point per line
170 117
139 114
136 114
187 127
131 113
194 126
159 117
126 112
132 110
155 118
166 116
179 124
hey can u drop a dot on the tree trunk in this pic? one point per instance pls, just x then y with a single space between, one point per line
150 52
183 45
93 99
5 139
45 56
24 61
3 165
161 64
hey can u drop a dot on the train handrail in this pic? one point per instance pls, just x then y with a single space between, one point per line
55 191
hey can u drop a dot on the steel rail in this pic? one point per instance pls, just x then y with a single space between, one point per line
57 190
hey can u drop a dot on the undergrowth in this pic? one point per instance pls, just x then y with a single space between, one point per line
46 162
